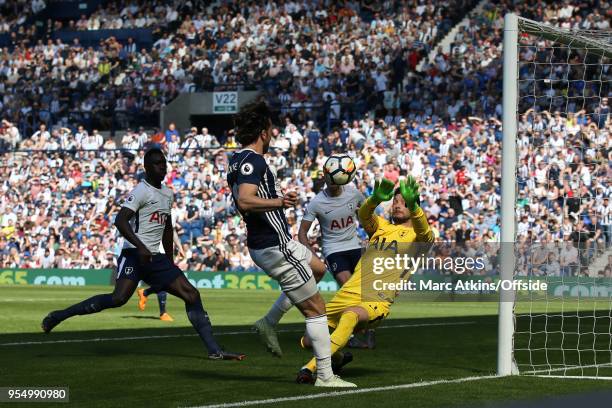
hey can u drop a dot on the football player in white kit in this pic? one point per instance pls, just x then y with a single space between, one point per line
335 208
144 221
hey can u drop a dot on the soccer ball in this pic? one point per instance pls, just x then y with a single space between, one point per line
339 169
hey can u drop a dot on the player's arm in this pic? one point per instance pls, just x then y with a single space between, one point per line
367 219
310 214
177 243
303 233
410 193
248 178
383 191
360 201
122 222
168 239
249 201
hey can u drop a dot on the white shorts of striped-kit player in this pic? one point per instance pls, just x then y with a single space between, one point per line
289 265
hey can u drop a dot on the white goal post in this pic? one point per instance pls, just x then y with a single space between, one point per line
558 74
505 359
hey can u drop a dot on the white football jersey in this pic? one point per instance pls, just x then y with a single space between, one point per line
338 218
152 209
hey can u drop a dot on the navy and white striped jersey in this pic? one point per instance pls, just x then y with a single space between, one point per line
264 229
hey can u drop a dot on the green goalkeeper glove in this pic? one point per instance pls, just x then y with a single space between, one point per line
383 191
410 192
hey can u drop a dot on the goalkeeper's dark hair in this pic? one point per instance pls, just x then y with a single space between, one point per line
252 119
150 153
398 191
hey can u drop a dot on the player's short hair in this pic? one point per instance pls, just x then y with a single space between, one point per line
398 191
150 152
252 119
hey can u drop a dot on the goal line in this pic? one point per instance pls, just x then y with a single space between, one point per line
334 394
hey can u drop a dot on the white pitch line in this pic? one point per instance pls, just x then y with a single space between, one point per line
348 392
575 377
96 339
566 368
11 300
166 336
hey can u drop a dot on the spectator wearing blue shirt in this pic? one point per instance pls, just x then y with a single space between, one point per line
313 137
602 113
328 145
413 130
344 133
171 131
428 126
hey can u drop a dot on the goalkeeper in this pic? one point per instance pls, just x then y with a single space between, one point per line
350 309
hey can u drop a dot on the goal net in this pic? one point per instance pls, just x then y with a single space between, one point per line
555 206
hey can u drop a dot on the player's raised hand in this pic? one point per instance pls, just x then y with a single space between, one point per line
383 190
409 189
290 199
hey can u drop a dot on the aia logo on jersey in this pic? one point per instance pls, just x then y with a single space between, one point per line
383 245
159 218
342 223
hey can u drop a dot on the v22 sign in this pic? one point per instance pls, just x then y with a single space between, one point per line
225 102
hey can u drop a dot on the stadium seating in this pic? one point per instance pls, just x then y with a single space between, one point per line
195 50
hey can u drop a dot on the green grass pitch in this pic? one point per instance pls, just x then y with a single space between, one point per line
141 361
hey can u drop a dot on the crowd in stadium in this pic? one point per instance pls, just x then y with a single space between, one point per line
66 201
14 14
299 52
345 58
132 14
336 88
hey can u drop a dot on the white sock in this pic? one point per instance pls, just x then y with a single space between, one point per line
318 332
278 309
